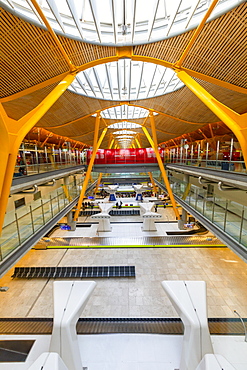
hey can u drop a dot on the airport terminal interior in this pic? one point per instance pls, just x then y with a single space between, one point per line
123 208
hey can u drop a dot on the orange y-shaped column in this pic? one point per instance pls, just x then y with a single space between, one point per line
154 145
12 134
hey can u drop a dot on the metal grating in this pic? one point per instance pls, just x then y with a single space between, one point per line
74 272
151 241
217 326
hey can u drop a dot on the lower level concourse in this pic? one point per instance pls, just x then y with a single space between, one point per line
124 318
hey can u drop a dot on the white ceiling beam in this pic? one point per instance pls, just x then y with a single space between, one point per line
88 79
173 16
75 16
108 75
81 84
54 10
152 18
98 82
114 21
193 8
94 10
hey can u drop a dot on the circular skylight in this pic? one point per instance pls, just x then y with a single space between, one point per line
124 137
121 22
126 80
124 124
124 112
124 132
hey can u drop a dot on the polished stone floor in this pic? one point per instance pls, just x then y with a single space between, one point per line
143 296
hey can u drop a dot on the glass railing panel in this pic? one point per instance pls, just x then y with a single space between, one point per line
25 226
243 237
193 196
234 219
19 225
200 200
9 239
37 216
32 169
219 211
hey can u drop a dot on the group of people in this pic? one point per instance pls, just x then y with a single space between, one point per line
87 205
119 204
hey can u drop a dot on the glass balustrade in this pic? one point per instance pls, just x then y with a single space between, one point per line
33 169
228 215
22 223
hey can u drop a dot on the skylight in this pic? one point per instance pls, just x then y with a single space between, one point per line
124 132
125 112
121 22
126 80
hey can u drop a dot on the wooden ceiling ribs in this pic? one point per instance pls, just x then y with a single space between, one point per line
220 50
31 57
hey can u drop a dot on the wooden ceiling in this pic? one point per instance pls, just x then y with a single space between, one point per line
30 57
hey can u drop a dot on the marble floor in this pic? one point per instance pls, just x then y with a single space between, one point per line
142 296
224 272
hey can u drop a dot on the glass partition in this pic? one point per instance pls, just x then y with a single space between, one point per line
22 223
230 216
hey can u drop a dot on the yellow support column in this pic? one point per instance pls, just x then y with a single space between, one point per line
13 133
111 144
161 165
88 174
152 181
98 183
96 130
236 122
137 142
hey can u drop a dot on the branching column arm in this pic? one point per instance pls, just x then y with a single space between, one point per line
236 122
98 183
88 174
152 181
161 165
14 133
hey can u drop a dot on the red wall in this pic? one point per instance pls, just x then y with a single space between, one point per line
118 156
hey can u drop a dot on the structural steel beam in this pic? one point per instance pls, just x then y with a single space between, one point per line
98 183
161 165
152 181
54 36
96 130
88 174
111 143
236 122
195 34
137 142
13 133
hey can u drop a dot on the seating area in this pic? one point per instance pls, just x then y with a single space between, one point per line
74 272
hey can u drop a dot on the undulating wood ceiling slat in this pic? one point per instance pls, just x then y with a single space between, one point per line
80 127
29 55
220 50
81 52
169 50
19 107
